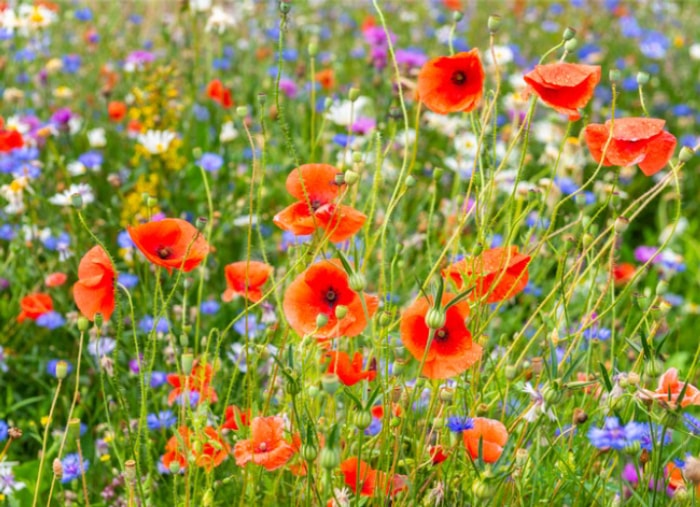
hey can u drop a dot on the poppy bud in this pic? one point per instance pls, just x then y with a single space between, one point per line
61 370
362 419
313 49
447 394
330 383
494 23
351 177
341 311
621 224
356 157
437 173
384 318
57 468
174 467
438 423
551 393
184 341
653 367
285 6
670 419
309 452
511 372
321 320
242 111
457 16
330 458
435 318
587 240
410 181
144 197
642 78
151 202
571 45
196 152
394 422
187 362
77 201
569 33
312 392
83 324
686 154
397 367
481 489
614 75
357 282
353 94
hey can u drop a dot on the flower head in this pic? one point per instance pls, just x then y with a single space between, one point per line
349 372
615 436
94 290
266 446
171 243
487 435
566 87
34 305
450 84
246 278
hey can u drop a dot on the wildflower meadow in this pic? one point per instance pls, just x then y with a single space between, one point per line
349 253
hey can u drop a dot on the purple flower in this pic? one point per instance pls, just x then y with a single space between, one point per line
72 468
61 117
411 57
288 87
645 254
50 320
376 36
158 378
210 162
614 436
363 125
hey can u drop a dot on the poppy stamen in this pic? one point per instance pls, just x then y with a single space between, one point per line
331 296
164 252
441 335
459 78
262 447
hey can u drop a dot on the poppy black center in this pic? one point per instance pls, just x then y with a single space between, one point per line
164 252
331 296
441 334
459 77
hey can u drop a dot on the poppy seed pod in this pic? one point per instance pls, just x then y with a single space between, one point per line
653 367
313 48
494 23
621 224
642 78
61 370
187 362
83 324
686 154
341 311
571 45
614 75
330 382
285 6
457 16
438 423
353 94
130 470
351 177
174 467
569 33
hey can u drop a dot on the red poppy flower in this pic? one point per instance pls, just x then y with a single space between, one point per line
451 351
217 92
377 411
171 243
266 446
670 388
257 274
55 279
349 373
211 450
320 290
116 111
450 84
94 290
315 188
623 272
437 454
640 141
234 418
177 449
34 305
490 435
326 78
370 481
499 273
198 381
9 140
566 87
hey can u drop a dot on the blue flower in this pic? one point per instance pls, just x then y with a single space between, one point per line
3 431
458 424
566 185
692 424
654 45
210 162
146 325
50 320
91 160
7 232
124 240
614 436
158 378
72 468
84 14
652 437
210 307
374 427
71 63
253 327
629 27
128 280
161 421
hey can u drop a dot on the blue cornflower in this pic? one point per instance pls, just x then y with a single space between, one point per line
146 325
51 367
200 112
692 424
654 45
597 332
91 160
124 240
84 14
532 289
71 63
210 162
374 427
3 431
629 27
128 280
158 378
566 185
210 307
72 468
458 424
7 232
652 437
614 436
254 327
161 421
50 320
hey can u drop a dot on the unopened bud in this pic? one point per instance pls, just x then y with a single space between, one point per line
321 320
362 419
457 16
330 458
208 498
174 467
642 78
571 45
356 157
357 282
83 324
242 111
447 394
152 202
57 468
435 318
61 370
410 181
285 6
353 94
98 320
341 311
494 23
653 367
614 75
511 372
686 154
313 49
330 383
187 362
309 452
351 177
569 33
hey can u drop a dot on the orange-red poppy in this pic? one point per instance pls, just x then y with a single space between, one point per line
34 305
490 435
171 243
623 273
55 279
349 372
498 273
315 187
198 381
451 350
370 481
450 84
321 289
217 92
211 450
437 454
377 411
670 388
94 290
177 449
640 141
246 278
566 87
266 446
235 418
9 140
453 5
326 78
116 110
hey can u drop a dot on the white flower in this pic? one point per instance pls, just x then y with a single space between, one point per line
76 168
96 138
36 16
200 5
228 132
156 141
446 124
695 51
64 198
8 485
9 20
14 194
538 406
504 55
466 145
219 20
339 112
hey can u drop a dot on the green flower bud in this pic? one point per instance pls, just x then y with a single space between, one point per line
313 48
481 489
384 319
174 467
285 6
438 423
330 383
621 224
661 287
184 341
569 33
642 78
187 362
552 393
435 318
83 324
437 173
614 75
686 154
242 111
394 422
351 177
61 370
494 23
511 372
196 152
321 320
410 181
457 16
353 94
653 367
362 420
341 311
98 320
313 392
309 452
356 157
357 282
447 394
571 45
208 498
152 202
330 458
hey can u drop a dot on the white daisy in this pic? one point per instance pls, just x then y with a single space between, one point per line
156 141
65 198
